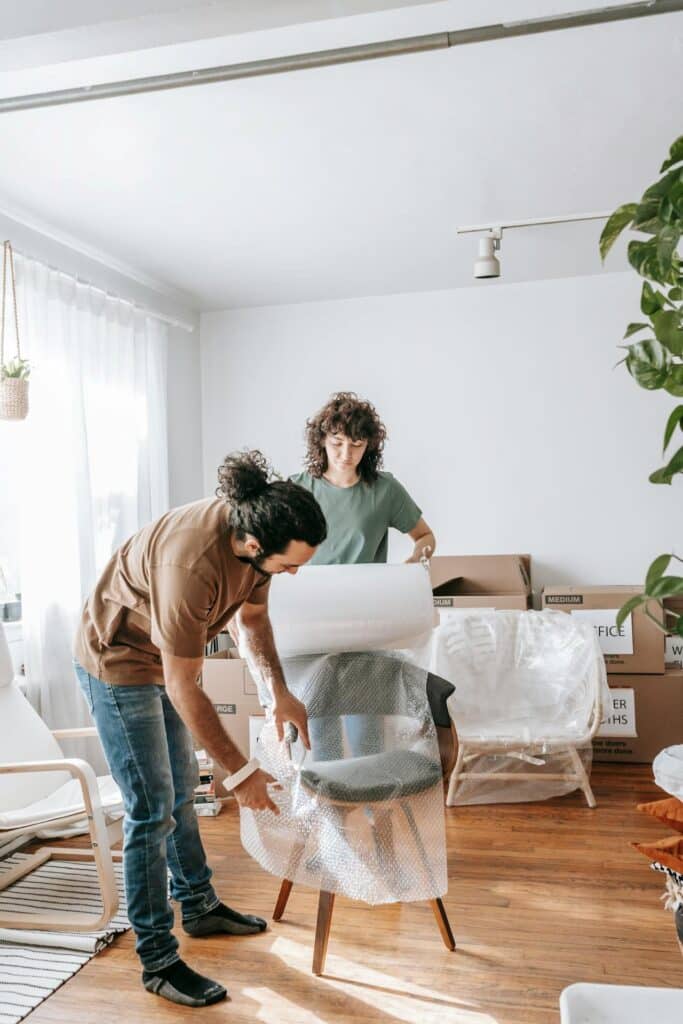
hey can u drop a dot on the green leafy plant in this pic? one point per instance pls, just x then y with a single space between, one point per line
655 360
17 369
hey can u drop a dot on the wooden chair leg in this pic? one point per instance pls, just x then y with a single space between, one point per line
455 775
282 898
582 777
443 923
286 887
322 930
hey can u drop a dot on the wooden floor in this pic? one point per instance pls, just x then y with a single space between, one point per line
541 895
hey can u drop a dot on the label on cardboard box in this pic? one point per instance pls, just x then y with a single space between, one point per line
226 709
674 651
613 639
620 716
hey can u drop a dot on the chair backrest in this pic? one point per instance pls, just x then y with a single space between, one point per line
358 683
521 666
23 737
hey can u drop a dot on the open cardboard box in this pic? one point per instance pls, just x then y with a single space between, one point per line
481 581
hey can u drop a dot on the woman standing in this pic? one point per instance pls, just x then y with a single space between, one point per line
360 501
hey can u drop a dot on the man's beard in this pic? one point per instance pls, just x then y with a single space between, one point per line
255 563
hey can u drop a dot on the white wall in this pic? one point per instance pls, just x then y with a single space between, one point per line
184 386
506 419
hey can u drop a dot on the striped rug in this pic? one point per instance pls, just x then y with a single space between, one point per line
34 964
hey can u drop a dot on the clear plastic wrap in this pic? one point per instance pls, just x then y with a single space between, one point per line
529 691
510 778
361 814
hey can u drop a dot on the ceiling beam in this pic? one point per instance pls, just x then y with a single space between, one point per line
343 55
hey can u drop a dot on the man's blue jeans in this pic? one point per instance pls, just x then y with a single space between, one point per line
151 757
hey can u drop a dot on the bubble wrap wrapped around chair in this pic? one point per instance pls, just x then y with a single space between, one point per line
362 815
529 691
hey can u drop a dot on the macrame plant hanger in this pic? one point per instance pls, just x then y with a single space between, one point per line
13 373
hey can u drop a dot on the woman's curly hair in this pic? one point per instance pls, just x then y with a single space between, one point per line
346 413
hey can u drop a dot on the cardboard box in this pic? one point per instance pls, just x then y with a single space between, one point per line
647 715
481 581
232 691
673 644
636 648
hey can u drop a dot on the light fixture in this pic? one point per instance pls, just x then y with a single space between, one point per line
487 264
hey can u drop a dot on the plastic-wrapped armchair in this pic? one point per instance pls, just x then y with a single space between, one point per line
41 791
363 815
529 693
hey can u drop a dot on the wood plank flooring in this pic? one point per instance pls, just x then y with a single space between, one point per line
541 895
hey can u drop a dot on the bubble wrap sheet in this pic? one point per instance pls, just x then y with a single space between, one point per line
362 813
529 688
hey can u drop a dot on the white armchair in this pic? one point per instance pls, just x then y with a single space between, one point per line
41 791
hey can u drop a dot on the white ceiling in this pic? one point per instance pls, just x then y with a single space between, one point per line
351 180
34 32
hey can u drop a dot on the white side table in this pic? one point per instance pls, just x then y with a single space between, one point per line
620 1004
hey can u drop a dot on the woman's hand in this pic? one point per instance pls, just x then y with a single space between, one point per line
287 708
253 792
419 553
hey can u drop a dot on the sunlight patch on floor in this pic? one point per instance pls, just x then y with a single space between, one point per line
403 1000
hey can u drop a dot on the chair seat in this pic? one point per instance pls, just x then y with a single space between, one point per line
65 801
370 779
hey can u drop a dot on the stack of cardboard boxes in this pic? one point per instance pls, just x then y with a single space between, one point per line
646 713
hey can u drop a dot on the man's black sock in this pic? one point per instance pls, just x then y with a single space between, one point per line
180 984
224 919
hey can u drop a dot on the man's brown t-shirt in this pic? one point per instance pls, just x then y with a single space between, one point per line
172 587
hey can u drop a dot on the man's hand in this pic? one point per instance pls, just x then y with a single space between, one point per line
253 792
288 709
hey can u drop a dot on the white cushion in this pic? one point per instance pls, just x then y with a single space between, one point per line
66 800
668 770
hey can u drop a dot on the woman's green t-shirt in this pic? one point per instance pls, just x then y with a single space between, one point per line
359 517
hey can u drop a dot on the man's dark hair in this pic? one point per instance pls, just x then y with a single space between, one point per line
346 413
273 511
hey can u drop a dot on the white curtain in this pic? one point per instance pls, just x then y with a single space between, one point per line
94 464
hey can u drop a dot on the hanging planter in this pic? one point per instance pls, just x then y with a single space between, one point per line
14 374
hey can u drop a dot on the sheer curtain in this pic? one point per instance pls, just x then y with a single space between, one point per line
94 462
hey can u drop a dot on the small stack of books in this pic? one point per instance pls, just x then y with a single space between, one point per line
205 803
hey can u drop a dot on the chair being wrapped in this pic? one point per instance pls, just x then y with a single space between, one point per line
361 814
529 692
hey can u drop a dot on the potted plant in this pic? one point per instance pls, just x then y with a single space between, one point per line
14 374
14 389
655 361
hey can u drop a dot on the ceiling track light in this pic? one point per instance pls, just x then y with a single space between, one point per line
487 264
